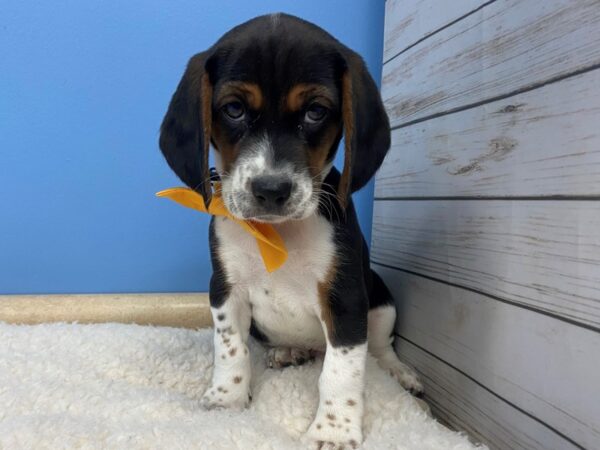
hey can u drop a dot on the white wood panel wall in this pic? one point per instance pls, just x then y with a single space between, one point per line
487 213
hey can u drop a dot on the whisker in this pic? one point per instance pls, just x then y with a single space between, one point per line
327 202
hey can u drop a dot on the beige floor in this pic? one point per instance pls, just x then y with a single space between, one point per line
176 310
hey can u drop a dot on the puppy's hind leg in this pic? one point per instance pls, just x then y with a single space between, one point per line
280 357
381 328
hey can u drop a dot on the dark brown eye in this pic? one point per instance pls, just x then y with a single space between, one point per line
315 113
234 110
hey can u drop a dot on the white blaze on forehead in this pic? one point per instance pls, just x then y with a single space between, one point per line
257 161
260 153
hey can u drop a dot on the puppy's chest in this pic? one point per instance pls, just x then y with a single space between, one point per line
285 303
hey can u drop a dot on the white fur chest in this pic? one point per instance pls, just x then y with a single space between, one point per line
285 303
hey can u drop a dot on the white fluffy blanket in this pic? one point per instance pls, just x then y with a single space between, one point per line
115 386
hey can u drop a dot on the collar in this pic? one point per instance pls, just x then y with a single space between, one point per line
270 244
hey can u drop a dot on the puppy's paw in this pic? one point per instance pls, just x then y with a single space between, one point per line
332 442
328 445
280 357
404 374
407 378
225 397
334 433
424 406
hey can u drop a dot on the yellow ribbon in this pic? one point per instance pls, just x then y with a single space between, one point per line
270 243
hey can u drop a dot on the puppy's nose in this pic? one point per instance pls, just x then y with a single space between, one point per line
271 191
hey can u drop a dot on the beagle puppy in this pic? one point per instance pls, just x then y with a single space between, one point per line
273 97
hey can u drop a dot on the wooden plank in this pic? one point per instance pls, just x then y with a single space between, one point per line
540 143
541 254
407 21
534 361
178 309
465 405
506 46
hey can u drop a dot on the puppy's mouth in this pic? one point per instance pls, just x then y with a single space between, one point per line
269 218
243 206
298 214
256 215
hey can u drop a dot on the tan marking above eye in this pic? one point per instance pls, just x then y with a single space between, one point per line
299 94
250 92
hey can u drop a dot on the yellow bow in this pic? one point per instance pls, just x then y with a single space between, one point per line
270 243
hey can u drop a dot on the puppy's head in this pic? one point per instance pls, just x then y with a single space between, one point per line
274 96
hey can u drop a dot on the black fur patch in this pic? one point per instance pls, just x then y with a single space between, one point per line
348 300
219 287
257 334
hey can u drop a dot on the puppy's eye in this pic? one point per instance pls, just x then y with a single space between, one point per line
315 113
234 110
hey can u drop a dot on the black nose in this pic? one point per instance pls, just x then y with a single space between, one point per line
271 191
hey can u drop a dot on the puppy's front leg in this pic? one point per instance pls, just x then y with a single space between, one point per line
231 373
338 422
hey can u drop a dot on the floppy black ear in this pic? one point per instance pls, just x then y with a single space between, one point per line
185 130
366 126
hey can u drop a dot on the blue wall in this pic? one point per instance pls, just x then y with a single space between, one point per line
83 88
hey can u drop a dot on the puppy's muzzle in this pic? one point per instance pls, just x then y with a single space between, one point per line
271 193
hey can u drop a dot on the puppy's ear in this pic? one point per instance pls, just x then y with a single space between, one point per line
366 126
186 128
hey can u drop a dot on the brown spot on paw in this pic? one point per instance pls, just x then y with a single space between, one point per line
232 351
328 402
318 426
330 416
237 379
351 402
346 420
220 316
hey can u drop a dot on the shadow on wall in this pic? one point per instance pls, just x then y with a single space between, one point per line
420 250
